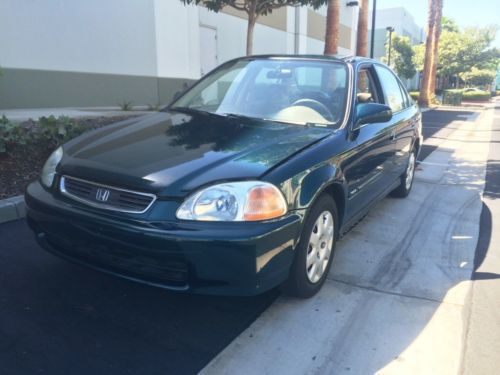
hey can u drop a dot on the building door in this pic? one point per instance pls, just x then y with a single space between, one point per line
208 49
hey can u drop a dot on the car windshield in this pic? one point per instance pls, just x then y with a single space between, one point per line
294 91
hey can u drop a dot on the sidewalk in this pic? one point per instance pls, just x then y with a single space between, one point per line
482 351
34 113
397 297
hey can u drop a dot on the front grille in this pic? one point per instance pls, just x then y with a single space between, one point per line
106 197
158 271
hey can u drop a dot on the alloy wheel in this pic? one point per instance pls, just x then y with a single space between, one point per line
410 171
320 247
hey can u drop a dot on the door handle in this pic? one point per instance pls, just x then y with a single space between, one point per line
393 135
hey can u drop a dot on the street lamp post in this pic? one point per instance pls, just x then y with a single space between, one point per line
391 30
372 42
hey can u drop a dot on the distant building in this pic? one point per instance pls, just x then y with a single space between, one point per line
103 52
404 25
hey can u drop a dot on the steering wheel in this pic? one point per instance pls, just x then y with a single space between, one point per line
315 105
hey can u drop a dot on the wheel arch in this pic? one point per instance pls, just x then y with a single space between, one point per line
324 180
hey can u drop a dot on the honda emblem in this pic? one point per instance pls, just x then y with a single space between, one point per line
102 195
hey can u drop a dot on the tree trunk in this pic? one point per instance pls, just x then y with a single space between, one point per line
332 27
362 39
252 19
427 91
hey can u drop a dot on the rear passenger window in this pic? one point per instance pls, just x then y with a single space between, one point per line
392 90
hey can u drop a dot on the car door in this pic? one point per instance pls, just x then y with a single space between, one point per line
405 117
372 160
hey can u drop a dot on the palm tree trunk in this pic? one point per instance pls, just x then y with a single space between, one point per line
427 91
332 27
362 39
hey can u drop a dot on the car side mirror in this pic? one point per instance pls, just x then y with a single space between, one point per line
367 113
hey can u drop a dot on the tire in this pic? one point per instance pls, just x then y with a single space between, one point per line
406 179
313 250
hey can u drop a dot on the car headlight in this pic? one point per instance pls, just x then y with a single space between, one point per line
49 169
234 201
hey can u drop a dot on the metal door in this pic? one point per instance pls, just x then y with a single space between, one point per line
208 49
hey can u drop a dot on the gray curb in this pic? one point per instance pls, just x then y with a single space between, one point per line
12 209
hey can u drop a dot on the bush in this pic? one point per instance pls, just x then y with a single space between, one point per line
414 95
476 96
55 131
452 97
12 133
125 105
49 131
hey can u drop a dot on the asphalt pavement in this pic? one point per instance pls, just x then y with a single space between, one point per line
60 318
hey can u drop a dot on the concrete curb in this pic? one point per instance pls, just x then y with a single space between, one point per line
12 209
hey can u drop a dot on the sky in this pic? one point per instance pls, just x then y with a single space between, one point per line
464 12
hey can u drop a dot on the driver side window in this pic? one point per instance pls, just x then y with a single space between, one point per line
365 88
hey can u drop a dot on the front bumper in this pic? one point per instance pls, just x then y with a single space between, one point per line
211 258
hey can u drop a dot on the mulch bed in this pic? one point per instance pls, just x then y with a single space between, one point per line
23 164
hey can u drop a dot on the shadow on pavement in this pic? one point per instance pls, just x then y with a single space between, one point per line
435 120
60 318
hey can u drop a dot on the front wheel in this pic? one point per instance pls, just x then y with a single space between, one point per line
314 252
406 183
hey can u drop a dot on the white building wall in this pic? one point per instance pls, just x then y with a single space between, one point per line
100 52
231 35
177 39
402 21
138 37
93 36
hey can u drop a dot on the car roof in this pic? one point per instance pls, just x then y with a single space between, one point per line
341 58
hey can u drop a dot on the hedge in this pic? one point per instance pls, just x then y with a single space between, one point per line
476 96
414 94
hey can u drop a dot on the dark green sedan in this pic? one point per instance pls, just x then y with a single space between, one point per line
242 184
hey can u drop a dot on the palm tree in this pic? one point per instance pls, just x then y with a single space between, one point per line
362 42
332 27
428 87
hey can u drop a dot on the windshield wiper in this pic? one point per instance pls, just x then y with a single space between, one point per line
196 110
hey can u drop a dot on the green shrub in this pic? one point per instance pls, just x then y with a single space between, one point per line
154 107
476 96
55 131
414 94
452 97
125 105
12 133
48 131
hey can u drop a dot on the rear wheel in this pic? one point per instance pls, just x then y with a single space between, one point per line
404 188
314 252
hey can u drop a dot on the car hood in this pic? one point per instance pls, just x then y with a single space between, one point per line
172 153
